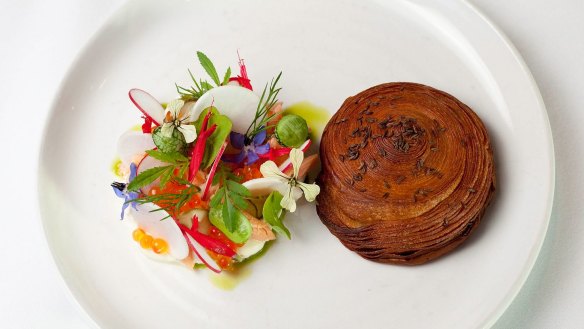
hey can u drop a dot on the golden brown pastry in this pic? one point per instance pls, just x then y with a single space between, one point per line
407 172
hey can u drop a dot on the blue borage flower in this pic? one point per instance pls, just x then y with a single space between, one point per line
120 189
249 150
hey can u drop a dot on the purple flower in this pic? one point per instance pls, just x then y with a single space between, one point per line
120 189
250 149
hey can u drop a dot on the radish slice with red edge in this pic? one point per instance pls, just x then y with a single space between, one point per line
148 162
158 224
148 105
132 144
288 164
201 253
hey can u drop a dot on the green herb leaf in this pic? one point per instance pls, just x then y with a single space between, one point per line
166 176
242 231
229 216
274 214
227 76
173 144
172 157
146 177
239 202
235 187
217 197
209 67
215 141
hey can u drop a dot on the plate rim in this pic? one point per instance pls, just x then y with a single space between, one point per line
534 254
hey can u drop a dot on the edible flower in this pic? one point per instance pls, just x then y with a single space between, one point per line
249 150
295 188
175 117
120 189
147 126
242 78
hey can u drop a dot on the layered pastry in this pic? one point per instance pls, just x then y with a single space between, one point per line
407 173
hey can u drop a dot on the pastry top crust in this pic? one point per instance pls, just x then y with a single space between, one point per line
407 172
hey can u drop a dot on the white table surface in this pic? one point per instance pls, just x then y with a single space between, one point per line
40 39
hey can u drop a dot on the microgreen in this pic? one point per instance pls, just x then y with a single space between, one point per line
201 86
267 100
147 177
176 161
274 213
230 200
171 202
209 67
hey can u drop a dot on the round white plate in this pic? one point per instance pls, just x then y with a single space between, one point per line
328 50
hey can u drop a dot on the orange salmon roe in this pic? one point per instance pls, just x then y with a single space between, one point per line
146 241
175 188
215 233
159 246
248 172
138 234
226 263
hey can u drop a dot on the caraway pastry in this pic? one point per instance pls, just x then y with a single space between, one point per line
407 173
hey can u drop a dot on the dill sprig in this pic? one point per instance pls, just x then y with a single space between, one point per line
261 117
170 202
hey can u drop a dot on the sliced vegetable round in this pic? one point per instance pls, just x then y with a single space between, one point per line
292 130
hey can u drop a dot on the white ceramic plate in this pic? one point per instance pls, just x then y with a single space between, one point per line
328 50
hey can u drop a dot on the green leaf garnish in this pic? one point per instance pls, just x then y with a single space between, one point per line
274 214
228 203
147 176
229 216
171 157
237 188
242 226
175 201
267 101
215 141
226 76
209 67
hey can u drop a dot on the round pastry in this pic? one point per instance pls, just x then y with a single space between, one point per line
407 172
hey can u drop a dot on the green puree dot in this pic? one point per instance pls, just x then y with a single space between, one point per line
292 130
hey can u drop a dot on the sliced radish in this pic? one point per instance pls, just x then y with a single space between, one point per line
149 162
250 248
264 186
147 104
132 144
288 164
201 253
150 218
236 102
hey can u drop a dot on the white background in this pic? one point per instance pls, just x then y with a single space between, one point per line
40 39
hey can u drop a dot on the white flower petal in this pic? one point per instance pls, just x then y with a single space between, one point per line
167 129
296 193
174 107
189 131
310 191
296 158
270 169
288 201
